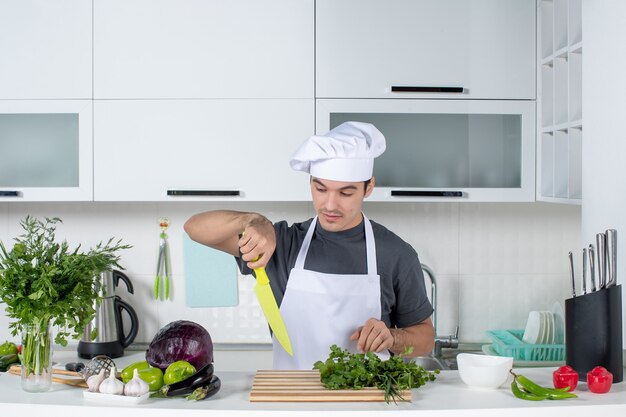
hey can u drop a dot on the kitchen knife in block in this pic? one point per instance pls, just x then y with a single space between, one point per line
270 309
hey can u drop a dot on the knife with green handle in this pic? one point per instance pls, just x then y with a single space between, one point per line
270 309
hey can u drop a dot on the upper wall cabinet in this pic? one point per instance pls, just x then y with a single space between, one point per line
45 49
458 150
199 150
46 150
203 48
418 48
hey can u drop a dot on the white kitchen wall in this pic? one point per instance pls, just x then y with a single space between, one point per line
494 262
604 180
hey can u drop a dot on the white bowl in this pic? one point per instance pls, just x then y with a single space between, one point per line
484 371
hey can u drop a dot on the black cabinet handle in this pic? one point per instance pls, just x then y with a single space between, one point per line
10 194
410 193
424 89
205 193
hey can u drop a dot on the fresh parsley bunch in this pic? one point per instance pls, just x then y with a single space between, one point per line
42 281
344 370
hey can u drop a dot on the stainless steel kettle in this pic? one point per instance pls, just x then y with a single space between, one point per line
108 325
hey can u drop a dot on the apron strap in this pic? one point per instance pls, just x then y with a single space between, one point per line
370 246
305 245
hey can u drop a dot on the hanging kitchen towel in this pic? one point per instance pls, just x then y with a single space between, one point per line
210 276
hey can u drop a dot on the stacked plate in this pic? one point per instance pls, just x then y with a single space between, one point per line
544 328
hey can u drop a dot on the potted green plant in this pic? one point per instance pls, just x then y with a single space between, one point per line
43 283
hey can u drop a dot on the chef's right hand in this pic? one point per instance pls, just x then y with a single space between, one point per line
257 242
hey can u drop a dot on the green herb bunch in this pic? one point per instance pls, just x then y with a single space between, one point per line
344 370
42 281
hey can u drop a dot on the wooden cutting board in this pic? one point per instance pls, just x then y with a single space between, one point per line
78 381
305 386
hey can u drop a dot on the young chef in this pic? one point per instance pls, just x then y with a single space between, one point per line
338 278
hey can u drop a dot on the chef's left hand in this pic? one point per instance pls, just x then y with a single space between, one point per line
373 336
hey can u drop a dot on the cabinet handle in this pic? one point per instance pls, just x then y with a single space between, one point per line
424 89
210 193
10 194
409 193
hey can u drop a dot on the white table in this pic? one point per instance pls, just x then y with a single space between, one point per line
447 396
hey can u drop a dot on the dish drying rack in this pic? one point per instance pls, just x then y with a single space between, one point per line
510 343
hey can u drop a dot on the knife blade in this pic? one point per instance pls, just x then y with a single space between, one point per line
611 255
592 268
571 273
270 308
584 284
601 265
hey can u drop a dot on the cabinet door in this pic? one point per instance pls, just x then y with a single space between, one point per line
203 48
458 150
199 150
485 47
45 49
46 150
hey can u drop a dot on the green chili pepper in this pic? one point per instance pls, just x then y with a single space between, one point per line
525 395
537 389
534 391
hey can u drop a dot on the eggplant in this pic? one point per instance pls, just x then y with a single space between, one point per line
206 391
200 379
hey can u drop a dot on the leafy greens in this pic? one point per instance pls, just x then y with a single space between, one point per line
344 370
42 281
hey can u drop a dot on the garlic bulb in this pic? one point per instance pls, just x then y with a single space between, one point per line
112 385
136 387
94 381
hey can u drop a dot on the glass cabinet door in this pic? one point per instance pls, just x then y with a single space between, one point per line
475 150
45 150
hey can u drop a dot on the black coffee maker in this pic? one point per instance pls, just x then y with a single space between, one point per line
110 338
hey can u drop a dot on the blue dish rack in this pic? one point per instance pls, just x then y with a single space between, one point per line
510 343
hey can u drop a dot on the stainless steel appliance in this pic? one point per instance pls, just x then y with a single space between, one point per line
110 338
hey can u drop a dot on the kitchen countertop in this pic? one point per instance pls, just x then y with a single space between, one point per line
447 396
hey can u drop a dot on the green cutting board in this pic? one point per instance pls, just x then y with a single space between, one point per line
210 276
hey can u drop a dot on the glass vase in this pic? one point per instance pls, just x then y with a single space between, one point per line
36 357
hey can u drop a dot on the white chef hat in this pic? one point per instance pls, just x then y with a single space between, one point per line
346 153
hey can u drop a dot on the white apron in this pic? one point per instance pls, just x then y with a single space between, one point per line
322 309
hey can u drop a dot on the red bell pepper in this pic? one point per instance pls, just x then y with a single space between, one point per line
565 376
599 380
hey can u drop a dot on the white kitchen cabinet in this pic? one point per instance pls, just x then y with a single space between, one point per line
452 150
559 112
45 49
46 150
485 48
199 150
203 49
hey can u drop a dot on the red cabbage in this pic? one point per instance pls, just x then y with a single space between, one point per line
180 340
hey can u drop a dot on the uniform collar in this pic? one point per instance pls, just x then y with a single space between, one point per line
356 231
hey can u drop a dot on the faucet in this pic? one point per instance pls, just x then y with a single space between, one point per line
450 341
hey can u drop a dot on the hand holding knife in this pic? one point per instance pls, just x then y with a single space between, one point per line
270 308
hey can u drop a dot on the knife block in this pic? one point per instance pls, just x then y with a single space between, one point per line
593 332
